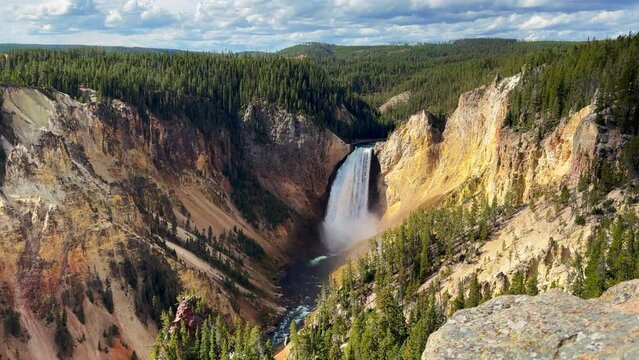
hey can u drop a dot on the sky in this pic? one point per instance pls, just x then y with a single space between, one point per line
269 25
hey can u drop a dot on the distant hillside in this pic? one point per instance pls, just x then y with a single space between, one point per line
12 47
380 72
313 50
459 48
210 89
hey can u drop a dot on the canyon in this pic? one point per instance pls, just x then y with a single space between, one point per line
91 187
473 158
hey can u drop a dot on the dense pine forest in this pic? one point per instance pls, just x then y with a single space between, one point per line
209 89
555 85
316 79
558 76
208 337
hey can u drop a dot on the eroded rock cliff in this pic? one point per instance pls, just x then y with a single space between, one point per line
478 156
291 157
421 165
89 183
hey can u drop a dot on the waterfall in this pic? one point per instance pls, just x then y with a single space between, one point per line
348 218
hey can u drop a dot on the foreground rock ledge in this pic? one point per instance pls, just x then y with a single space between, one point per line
553 325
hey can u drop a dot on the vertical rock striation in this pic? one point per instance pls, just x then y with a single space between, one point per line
291 157
420 164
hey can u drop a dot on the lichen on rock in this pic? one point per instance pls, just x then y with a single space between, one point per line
553 325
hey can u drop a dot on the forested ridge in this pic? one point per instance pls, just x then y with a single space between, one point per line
558 76
316 79
12 47
434 73
553 86
209 89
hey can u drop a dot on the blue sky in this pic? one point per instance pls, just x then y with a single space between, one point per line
236 25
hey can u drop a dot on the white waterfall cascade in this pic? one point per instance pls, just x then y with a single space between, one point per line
348 218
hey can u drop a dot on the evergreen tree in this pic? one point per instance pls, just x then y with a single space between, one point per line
424 260
12 323
564 196
460 300
205 341
391 316
531 285
214 341
517 285
107 297
62 336
595 272
474 293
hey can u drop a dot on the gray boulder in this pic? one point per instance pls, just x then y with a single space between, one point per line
553 325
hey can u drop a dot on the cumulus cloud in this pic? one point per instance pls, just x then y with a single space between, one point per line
56 16
59 17
56 8
273 24
138 14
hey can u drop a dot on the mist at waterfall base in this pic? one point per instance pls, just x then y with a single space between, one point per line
347 221
348 218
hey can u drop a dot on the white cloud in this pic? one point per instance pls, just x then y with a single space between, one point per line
272 24
52 17
533 3
542 21
139 14
56 8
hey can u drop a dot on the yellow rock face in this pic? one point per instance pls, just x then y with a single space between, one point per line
419 165
477 154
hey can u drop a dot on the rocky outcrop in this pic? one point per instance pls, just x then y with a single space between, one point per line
553 325
291 156
410 154
395 100
186 315
418 166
